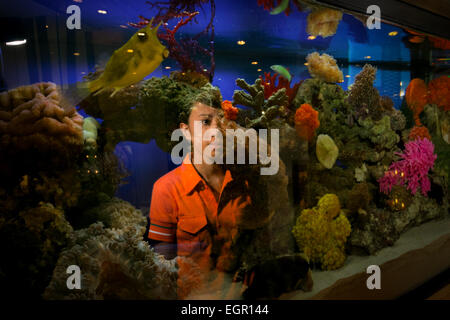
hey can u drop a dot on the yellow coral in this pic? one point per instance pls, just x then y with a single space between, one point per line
324 67
330 205
323 22
322 238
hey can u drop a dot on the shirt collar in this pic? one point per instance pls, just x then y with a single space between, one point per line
191 178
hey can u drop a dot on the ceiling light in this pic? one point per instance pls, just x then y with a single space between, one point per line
393 33
311 37
254 62
16 42
241 42
102 11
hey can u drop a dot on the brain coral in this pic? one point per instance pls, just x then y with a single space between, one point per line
321 237
32 117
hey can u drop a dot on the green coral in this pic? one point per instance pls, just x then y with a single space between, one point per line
263 113
321 237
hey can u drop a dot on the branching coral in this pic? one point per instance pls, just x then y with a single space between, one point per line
439 92
363 97
31 117
324 67
184 50
321 236
306 121
263 112
323 22
270 88
417 160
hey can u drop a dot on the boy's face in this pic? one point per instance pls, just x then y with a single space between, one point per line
208 117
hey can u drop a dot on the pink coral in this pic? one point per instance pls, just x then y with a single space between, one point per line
418 159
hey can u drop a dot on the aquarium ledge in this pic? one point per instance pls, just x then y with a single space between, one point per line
426 247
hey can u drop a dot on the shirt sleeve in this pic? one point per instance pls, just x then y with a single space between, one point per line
163 208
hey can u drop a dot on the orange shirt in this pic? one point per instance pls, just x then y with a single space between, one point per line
184 211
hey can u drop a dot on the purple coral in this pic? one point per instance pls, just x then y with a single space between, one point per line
417 159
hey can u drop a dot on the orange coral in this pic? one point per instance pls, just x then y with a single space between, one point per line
439 92
419 132
306 121
230 111
417 97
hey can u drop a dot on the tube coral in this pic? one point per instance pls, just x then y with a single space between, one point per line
324 67
320 235
306 121
439 92
417 160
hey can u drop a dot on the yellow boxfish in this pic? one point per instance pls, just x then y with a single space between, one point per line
136 59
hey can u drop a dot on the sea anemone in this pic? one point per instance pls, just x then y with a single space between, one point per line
306 121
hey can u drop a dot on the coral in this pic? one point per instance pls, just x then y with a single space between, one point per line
329 204
32 241
379 132
399 198
231 112
306 121
115 264
32 117
324 67
381 227
192 78
184 50
416 97
320 237
439 92
359 198
90 129
398 121
263 111
419 132
363 97
270 88
323 22
164 103
326 151
417 159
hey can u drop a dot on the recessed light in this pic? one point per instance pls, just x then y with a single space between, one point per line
259 70
76 53
393 33
254 62
130 50
311 37
167 67
241 42
16 42
102 11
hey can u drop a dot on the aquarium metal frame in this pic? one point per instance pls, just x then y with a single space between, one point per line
411 17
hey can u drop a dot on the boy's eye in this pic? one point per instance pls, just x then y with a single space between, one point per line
206 121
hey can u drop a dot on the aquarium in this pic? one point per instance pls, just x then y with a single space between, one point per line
210 149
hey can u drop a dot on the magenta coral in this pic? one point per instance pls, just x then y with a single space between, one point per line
417 159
